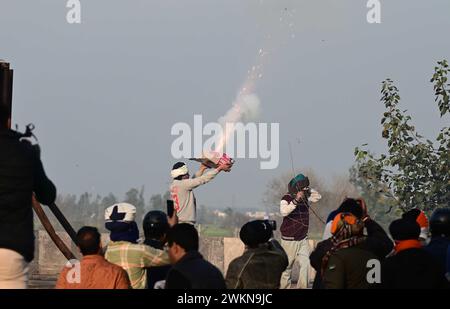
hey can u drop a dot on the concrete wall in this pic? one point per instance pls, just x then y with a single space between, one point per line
49 261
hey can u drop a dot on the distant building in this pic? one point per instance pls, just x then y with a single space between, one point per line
260 215
220 214
256 214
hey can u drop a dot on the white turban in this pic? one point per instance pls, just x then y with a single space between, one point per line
183 170
124 210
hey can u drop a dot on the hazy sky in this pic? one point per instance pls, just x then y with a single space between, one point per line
105 93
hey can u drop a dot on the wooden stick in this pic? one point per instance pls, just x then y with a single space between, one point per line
51 231
63 221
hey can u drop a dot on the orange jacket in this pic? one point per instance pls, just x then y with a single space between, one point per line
93 272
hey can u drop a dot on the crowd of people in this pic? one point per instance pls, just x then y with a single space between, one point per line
355 253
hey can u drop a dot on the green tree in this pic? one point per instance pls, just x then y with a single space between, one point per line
84 211
167 196
415 171
202 214
109 200
158 201
380 207
136 198
234 219
68 206
96 217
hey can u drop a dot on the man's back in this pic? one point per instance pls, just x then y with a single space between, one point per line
194 272
347 268
95 273
411 269
258 268
438 249
135 258
21 174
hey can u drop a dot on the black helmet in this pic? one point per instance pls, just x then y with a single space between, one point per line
440 222
256 232
155 224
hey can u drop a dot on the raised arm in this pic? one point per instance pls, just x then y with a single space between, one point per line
154 257
193 183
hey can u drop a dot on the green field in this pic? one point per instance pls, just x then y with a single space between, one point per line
215 231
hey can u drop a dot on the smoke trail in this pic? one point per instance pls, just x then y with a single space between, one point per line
246 106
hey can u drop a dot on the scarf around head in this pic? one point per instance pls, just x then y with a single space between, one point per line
123 231
345 237
120 221
183 170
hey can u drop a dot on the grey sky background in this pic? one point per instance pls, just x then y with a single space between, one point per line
104 94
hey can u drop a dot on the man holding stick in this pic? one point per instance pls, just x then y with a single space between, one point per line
21 174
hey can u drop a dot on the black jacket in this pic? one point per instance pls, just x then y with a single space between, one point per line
347 268
194 272
438 247
156 273
258 268
412 269
377 242
21 174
